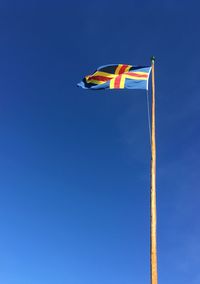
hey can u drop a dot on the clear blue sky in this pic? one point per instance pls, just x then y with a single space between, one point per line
74 164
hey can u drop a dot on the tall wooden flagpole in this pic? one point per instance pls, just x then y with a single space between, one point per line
153 260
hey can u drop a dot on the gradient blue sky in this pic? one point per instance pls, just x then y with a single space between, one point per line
74 164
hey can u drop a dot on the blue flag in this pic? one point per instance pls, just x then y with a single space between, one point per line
117 76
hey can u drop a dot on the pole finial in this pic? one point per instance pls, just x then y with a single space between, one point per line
153 59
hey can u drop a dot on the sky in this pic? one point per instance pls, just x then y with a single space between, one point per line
75 164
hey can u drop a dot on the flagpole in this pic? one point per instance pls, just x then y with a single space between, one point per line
153 258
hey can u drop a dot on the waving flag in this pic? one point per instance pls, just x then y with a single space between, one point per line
117 76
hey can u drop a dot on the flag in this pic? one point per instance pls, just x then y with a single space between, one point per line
117 76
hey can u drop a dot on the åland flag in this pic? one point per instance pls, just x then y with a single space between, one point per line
117 76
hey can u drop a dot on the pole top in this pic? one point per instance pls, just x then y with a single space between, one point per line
153 59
